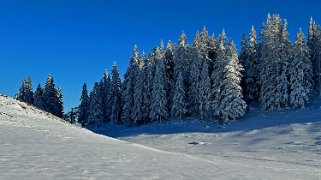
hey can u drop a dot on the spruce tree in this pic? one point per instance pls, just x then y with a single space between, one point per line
314 43
38 97
169 59
231 105
95 106
116 96
217 76
128 89
179 105
84 106
273 79
138 91
159 106
205 93
51 97
105 84
25 93
300 70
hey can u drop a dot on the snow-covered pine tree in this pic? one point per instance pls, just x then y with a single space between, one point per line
59 108
51 97
138 91
84 106
285 58
216 75
159 108
253 84
38 97
212 48
300 70
116 96
25 93
244 59
249 60
105 84
128 89
205 93
183 60
146 89
314 43
271 77
169 59
232 104
96 116
179 105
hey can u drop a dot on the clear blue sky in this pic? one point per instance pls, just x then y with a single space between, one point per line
75 40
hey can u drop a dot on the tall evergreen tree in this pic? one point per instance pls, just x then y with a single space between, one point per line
169 59
273 79
300 70
51 97
96 116
25 93
59 108
159 106
314 43
84 106
205 93
216 75
179 105
116 96
38 97
138 91
128 89
105 84
285 58
231 104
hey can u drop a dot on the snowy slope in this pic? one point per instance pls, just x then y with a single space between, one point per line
35 145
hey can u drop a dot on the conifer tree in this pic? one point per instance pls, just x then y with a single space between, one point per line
38 97
217 76
231 105
273 70
138 91
159 106
128 89
169 59
116 96
51 97
95 106
84 106
105 84
179 106
25 93
285 58
300 71
205 93
314 43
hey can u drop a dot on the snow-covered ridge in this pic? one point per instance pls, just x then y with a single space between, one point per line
36 145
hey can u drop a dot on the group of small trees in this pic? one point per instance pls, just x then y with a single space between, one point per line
48 98
103 104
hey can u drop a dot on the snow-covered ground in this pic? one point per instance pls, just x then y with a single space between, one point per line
35 145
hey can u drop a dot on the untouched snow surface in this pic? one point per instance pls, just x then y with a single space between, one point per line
35 145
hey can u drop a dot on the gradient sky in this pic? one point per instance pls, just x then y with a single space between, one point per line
76 40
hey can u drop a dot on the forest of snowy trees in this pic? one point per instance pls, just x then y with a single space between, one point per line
207 79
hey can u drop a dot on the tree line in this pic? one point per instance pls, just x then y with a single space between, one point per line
208 78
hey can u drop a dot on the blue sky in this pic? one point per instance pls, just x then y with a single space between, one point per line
76 40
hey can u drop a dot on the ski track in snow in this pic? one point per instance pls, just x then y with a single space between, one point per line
36 145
